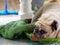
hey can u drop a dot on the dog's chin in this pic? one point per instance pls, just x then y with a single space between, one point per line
36 37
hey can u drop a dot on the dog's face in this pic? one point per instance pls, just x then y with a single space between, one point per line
44 27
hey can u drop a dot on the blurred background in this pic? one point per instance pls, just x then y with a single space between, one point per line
14 4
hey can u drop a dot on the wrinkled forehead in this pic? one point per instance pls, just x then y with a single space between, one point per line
45 20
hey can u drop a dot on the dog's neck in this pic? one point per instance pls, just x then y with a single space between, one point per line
52 8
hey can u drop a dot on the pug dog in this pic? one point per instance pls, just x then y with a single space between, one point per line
47 21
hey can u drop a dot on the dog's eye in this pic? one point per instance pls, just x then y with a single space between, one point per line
54 25
43 32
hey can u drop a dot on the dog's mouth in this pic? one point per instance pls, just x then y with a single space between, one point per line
37 34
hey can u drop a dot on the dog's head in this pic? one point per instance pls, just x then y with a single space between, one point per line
44 27
47 24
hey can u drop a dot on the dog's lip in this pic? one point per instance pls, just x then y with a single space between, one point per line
34 37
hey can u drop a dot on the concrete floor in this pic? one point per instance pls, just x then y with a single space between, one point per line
14 42
10 42
8 18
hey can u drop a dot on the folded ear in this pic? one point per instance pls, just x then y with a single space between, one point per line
54 25
37 14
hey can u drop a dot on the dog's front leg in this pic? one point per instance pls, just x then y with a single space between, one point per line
58 34
55 34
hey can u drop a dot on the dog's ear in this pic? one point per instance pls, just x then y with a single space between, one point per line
54 25
37 14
